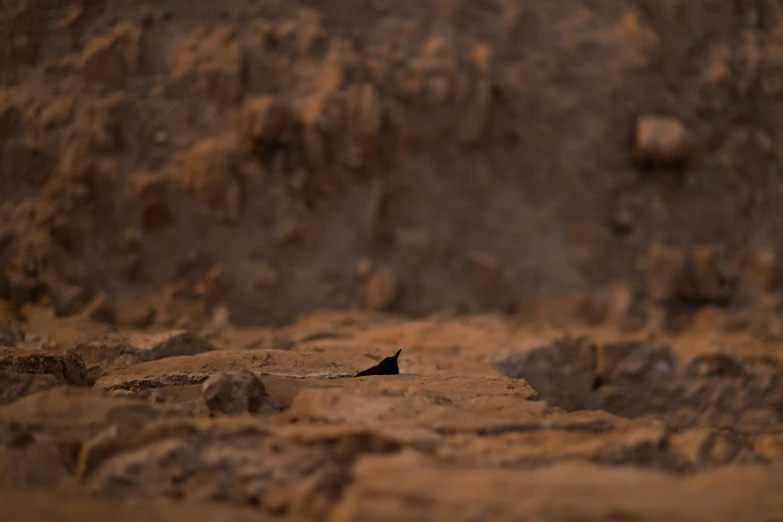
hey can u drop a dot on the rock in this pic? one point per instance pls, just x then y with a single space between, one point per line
71 413
717 365
99 309
138 347
17 385
67 368
109 59
662 141
261 122
29 463
381 289
235 394
383 488
195 369
209 173
33 506
485 273
634 362
50 114
561 372
216 59
112 123
154 199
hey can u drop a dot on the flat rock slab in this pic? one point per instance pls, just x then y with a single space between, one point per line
77 413
412 404
67 368
32 506
299 470
385 488
194 369
139 347
363 354
17 385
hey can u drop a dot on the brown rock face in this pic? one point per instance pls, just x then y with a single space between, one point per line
109 59
208 172
214 59
262 121
319 261
66 368
380 493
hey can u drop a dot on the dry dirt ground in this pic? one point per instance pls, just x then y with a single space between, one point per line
564 213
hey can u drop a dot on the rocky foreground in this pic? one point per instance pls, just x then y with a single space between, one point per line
489 419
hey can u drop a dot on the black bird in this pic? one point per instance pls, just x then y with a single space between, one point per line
388 366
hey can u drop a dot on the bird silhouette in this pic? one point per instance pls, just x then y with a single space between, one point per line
388 366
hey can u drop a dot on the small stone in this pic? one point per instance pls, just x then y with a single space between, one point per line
381 289
235 394
662 141
717 365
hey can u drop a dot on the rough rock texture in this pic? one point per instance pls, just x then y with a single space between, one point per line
563 216
275 422
267 136
66 368
235 393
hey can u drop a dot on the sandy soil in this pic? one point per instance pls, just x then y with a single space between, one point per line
565 214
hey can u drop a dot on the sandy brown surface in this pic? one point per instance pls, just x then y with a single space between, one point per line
564 213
